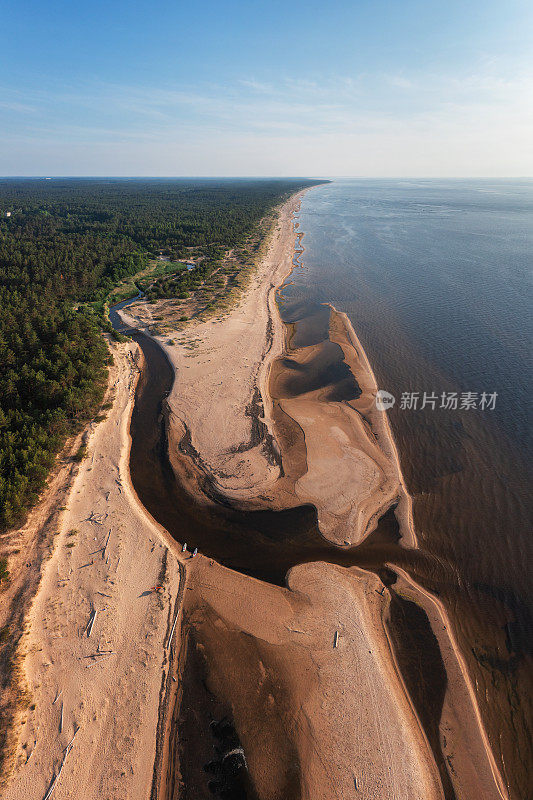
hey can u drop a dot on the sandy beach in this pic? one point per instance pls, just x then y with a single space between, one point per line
304 674
314 719
225 361
103 687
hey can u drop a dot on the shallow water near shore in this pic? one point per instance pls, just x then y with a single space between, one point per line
266 544
262 543
435 277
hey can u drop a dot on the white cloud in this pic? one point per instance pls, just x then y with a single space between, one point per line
400 82
366 124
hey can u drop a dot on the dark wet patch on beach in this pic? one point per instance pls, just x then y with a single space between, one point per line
323 369
419 660
212 762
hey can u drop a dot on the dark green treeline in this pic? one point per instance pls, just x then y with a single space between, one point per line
65 243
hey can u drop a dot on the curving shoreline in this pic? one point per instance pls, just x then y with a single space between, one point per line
312 718
281 489
488 777
405 509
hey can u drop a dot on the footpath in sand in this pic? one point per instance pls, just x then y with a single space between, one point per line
100 682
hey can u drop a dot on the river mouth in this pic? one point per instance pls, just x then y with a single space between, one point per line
266 543
263 543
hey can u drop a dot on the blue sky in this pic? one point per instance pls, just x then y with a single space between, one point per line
266 88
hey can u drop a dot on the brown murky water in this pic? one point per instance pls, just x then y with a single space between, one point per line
469 485
436 279
266 544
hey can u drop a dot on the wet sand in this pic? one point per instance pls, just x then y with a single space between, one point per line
262 684
314 719
351 473
429 303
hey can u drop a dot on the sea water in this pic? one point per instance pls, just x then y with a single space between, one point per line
436 278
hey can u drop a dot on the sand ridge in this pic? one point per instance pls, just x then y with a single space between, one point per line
467 746
351 475
220 367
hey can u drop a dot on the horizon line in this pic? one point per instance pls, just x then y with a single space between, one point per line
267 177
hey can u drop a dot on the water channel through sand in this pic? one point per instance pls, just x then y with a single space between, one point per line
266 544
